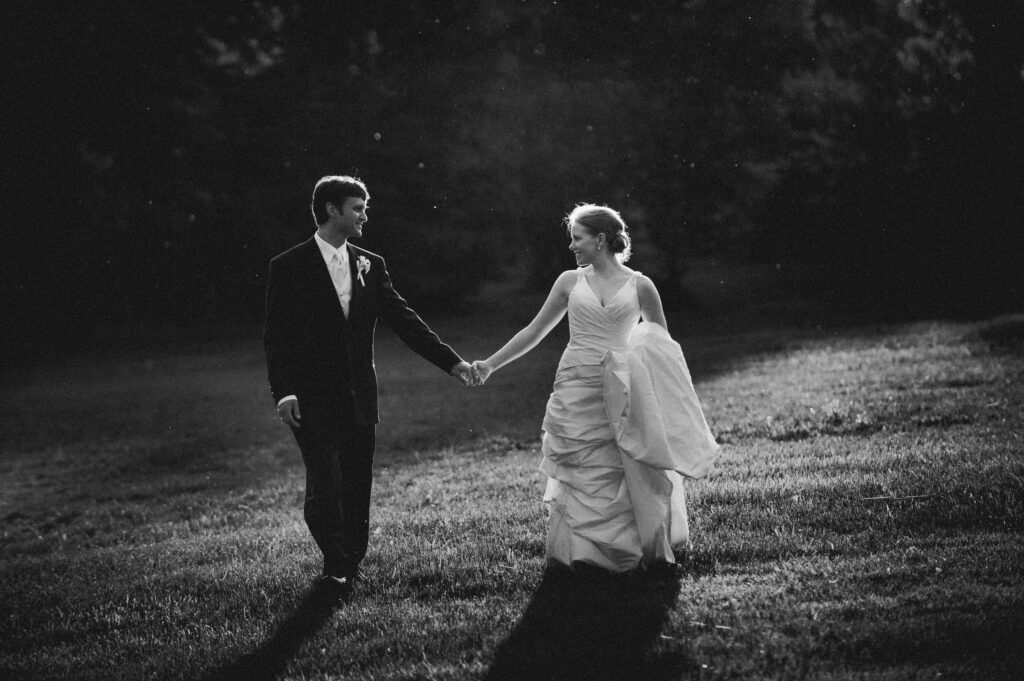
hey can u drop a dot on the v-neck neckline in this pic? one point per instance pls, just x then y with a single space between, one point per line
586 280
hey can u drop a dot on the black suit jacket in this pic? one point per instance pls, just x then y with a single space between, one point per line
317 354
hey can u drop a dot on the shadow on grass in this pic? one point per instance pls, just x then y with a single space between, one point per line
1005 333
978 644
591 625
271 658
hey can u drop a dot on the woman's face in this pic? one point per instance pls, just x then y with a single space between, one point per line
583 244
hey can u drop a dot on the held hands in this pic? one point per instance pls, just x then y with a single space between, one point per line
473 376
464 372
482 371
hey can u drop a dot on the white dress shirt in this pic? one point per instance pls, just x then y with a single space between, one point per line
337 262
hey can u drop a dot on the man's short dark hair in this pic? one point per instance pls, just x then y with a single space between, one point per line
335 189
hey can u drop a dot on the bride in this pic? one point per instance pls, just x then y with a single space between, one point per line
623 423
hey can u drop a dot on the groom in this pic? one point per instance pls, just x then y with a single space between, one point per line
324 297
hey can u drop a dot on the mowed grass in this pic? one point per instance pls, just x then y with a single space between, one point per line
864 521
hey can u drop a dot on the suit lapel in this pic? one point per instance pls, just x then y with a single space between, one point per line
358 288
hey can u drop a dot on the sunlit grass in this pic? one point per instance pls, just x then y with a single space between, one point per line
864 522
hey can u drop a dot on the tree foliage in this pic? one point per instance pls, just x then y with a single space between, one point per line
851 143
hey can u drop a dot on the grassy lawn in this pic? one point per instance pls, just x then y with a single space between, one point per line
865 521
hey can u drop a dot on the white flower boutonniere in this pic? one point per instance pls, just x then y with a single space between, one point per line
362 265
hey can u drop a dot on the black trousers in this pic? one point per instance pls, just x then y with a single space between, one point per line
339 475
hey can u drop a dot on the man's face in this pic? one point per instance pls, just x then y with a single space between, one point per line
351 216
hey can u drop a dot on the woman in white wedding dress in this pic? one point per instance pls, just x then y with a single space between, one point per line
623 423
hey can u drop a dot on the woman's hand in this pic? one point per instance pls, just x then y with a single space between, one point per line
481 369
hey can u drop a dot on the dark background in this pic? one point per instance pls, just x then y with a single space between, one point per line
870 153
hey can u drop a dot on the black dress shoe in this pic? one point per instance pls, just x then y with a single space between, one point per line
335 588
352 572
338 581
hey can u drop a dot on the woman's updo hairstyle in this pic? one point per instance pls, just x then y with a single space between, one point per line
602 220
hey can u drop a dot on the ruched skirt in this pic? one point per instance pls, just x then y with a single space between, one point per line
605 508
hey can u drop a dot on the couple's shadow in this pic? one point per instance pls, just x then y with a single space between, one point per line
271 658
586 624
590 624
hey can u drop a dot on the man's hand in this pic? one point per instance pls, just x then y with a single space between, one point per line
481 371
465 373
289 413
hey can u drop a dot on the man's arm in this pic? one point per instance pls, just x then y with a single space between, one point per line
414 332
278 327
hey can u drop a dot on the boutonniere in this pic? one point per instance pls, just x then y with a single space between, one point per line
362 265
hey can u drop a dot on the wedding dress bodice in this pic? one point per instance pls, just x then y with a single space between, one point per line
594 329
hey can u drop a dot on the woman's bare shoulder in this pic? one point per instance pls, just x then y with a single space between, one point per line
568 277
563 284
645 283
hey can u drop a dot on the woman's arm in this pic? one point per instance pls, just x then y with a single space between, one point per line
650 302
550 314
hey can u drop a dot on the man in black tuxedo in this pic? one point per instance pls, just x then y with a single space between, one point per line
324 297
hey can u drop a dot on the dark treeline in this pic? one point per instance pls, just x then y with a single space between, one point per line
870 149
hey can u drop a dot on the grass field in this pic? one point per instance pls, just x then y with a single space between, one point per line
865 521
